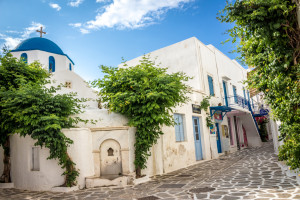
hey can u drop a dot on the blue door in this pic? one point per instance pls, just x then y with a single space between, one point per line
218 139
197 138
225 93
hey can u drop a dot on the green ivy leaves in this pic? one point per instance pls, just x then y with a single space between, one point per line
268 38
27 107
146 95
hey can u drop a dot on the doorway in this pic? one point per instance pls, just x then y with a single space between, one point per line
218 138
197 138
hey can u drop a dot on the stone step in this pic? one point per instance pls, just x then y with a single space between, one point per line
120 181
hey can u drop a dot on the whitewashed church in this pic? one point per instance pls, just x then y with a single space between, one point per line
104 152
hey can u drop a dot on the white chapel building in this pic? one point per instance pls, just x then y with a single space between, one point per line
104 151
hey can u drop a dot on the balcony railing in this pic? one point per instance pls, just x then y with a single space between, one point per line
236 101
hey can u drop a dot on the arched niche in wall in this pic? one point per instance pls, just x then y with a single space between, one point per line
110 158
51 64
24 57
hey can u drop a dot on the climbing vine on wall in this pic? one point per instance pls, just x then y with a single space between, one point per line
146 95
267 35
27 107
204 105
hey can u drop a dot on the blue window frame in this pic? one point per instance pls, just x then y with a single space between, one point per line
225 93
51 64
179 128
70 67
234 94
24 57
211 85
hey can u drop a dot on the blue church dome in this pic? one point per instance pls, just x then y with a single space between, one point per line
41 44
38 43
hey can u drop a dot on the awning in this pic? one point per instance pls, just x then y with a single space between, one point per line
223 109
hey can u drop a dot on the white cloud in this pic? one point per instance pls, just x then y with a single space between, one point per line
11 42
55 6
131 14
76 25
75 3
84 31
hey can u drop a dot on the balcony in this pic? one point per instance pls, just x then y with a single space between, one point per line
234 101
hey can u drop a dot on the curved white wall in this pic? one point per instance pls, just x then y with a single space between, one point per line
61 61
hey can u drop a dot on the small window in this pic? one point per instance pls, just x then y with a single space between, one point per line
234 94
24 57
211 86
51 64
70 67
35 159
110 152
179 127
68 84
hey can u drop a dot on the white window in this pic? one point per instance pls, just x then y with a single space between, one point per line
179 127
35 159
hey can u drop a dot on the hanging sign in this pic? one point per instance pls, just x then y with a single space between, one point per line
212 129
196 109
218 117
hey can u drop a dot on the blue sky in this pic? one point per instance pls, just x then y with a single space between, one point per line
95 32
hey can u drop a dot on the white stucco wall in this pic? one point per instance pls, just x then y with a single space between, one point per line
50 172
196 60
78 86
61 61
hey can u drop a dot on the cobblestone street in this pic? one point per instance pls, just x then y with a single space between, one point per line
248 174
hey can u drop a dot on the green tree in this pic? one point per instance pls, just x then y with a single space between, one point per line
27 107
267 35
146 95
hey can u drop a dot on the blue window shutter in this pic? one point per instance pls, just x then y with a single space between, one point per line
177 127
234 93
70 67
179 131
211 86
244 93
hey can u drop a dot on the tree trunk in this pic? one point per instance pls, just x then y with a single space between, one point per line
138 172
5 178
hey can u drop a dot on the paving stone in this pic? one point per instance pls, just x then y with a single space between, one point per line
283 195
251 173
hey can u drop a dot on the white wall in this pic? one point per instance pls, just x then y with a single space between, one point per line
183 56
78 85
50 172
61 61
196 60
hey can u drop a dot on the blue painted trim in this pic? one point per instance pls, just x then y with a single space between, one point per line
52 61
225 92
250 109
219 145
260 115
223 109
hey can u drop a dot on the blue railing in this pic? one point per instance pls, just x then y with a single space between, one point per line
236 101
233 101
